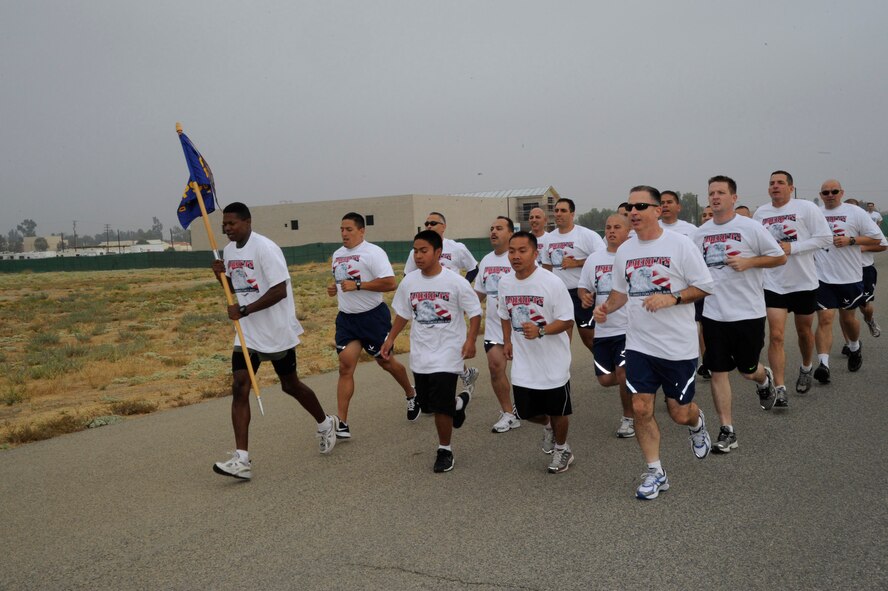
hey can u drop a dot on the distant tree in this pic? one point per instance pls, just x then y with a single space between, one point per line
691 208
27 228
141 241
595 219
3 244
40 244
156 232
180 234
14 241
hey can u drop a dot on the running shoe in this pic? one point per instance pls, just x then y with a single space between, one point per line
561 460
459 417
855 359
803 383
413 410
782 401
704 372
444 461
627 428
767 394
548 444
234 466
821 374
874 327
700 441
327 437
469 377
506 422
845 350
727 440
652 482
342 431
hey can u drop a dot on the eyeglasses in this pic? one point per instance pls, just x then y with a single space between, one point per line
832 192
639 206
432 224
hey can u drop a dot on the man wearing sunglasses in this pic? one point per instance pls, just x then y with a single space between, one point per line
656 274
567 248
456 257
800 229
840 275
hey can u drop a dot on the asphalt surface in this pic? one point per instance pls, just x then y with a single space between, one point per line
801 504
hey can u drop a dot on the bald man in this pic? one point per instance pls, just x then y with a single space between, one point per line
538 221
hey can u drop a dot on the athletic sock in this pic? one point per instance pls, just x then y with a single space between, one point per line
730 428
459 403
243 455
447 447
656 466
325 424
824 358
559 447
764 383
806 368
699 424
854 346
631 420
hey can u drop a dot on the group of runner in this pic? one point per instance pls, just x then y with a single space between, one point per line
627 295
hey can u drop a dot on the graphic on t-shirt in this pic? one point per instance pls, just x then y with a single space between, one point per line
557 252
834 225
429 307
780 229
525 309
604 279
239 279
342 270
648 275
491 279
718 247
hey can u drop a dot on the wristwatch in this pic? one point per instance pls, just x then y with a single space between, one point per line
853 241
243 311
542 332
677 296
358 284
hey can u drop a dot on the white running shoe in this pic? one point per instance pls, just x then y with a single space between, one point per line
874 327
506 422
548 444
327 438
561 460
700 441
627 428
651 484
469 377
234 467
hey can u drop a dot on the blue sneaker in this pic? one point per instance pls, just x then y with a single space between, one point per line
652 483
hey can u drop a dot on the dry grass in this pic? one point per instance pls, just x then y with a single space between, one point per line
80 346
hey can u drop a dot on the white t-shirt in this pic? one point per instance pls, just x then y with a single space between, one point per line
737 295
800 223
541 246
254 269
867 257
597 278
844 265
490 270
541 298
682 227
454 256
875 216
436 306
366 262
666 265
579 243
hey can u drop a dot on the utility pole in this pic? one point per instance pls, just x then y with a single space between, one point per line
107 237
75 236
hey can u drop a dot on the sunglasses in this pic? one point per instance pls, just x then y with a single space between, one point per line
432 224
639 206
832 192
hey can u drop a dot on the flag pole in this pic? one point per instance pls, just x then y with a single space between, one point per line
228 295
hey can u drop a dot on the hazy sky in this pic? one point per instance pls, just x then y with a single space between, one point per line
302 101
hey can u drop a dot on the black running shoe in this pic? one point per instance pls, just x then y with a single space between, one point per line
342 431
413 409
704 373
444 461
459 416
821 374
855 359
845 350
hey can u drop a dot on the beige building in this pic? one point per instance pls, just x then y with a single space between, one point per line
392 218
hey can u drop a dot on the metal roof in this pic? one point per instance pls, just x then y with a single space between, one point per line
507 193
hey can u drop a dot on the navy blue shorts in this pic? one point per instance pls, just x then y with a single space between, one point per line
869 283
582 316
609 354
698 310
645 374
530 403
733 344
847 296
436 392
284 362
796 302
370 327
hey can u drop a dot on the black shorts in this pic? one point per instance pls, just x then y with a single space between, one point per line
698 310
608 354
733 344
869 283
645 374
582 316
530 403
845 296
436 392
796 302
284 362
370 327
488 345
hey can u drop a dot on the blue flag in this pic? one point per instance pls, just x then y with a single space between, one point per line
200 173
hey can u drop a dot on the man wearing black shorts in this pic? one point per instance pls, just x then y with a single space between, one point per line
257 273
735 249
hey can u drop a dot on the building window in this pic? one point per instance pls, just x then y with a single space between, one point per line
369 219
294 224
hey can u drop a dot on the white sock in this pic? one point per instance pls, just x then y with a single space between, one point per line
730 428
629 419
325 424
655 465
447 447
806 368
699 424
764 383
243 455
459 403
562 447
854 346
824 358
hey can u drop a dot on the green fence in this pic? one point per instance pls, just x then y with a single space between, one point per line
318 252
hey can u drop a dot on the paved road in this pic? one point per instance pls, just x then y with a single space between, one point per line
801 504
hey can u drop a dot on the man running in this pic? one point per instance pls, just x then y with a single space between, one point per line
670 203
257 274
538 221
361 274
